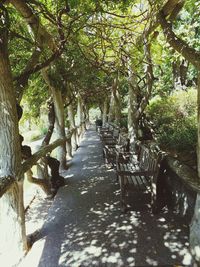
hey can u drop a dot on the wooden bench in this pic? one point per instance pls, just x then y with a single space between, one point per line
112 148
110 137
138 173
106 130
98 124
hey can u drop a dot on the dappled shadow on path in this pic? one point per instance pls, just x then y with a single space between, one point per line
86 228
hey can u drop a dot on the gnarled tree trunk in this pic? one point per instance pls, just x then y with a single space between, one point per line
198 123
59 118
12 219
60 126
115 104
80 118
105 111
72 126
111 113
132 109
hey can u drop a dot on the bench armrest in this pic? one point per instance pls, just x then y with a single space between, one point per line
110 146
120 153
136 173
123 156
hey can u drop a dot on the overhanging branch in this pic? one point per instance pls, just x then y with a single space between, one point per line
178 44
41 153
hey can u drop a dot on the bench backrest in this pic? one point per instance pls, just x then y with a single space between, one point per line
124 142
116 132
106 128
148 159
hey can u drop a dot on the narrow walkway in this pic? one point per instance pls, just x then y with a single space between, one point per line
85 226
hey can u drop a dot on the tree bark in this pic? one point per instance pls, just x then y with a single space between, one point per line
72 126
132 109
51 118
189 53
111 113
148 69
198 123
44 183
171 9
60 126
42 36
80 118
117 102
13 234
59 119
105 111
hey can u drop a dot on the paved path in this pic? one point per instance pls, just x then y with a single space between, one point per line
85 226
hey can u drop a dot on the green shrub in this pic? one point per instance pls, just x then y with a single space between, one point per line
174 118
180 135
124 121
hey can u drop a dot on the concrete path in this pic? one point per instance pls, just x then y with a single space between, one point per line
85 226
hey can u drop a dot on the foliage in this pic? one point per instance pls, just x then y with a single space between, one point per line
102 43
124 121
180 136
174 119
34 98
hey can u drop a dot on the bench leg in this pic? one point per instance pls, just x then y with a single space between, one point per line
123 207
117 177
104 153
123 202
154 202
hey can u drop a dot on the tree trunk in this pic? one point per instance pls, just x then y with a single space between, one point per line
12 230
118 108
51 119
80 117
59 118
132 111
115 104
42 182
183 72
180 73
105 112
133 122
85 116
111 113
198 123
59 125
72 125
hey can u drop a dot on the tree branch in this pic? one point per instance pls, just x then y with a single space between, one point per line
149 77
20 36
42 152
40 66
170 8
179 45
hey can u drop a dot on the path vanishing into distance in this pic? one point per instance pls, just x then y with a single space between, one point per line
85 226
